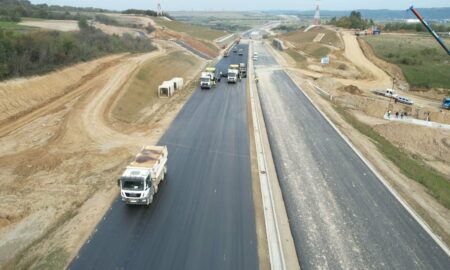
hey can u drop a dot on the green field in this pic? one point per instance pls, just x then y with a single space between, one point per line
423 62
13 26
192 30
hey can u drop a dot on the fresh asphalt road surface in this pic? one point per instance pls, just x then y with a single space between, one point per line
341 215
203 215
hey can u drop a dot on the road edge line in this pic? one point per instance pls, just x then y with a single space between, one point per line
411 211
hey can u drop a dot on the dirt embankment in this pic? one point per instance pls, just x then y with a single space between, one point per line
392 70
355 55
58 167
21 96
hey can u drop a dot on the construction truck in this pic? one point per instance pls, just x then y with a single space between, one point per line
243 70
140 180
233 73
208 78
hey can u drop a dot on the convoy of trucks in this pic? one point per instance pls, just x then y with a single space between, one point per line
140 180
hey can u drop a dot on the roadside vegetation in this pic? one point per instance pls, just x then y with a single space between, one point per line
354 21
420 57
410 165
299 59
39 52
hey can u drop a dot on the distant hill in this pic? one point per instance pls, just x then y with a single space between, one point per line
375 14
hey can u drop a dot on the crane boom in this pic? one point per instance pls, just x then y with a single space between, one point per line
428 27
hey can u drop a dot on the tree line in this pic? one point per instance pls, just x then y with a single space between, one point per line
39 52
414 27
14 10
354 21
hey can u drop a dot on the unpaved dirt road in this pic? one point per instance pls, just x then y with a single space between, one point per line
354 53
61 155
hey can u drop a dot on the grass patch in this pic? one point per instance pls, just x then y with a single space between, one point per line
423 62
437 185
56 259
332 38
142 90
299 59
320 52
14 26
192 30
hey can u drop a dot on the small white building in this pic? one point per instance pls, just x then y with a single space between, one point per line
168 88
177 83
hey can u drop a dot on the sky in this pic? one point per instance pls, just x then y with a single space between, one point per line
201 5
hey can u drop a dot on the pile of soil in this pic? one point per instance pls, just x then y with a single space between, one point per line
351 89
430 143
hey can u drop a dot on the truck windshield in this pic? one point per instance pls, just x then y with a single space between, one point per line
206 80
133 184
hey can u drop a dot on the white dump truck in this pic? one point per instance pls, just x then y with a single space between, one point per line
233 73
208 78
139 182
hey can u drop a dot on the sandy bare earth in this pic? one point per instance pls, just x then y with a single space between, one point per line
60 25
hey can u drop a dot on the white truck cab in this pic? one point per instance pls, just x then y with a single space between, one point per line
232 75
139 182
207 80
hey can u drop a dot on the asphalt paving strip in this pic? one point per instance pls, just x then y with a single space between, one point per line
341 215
203 216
